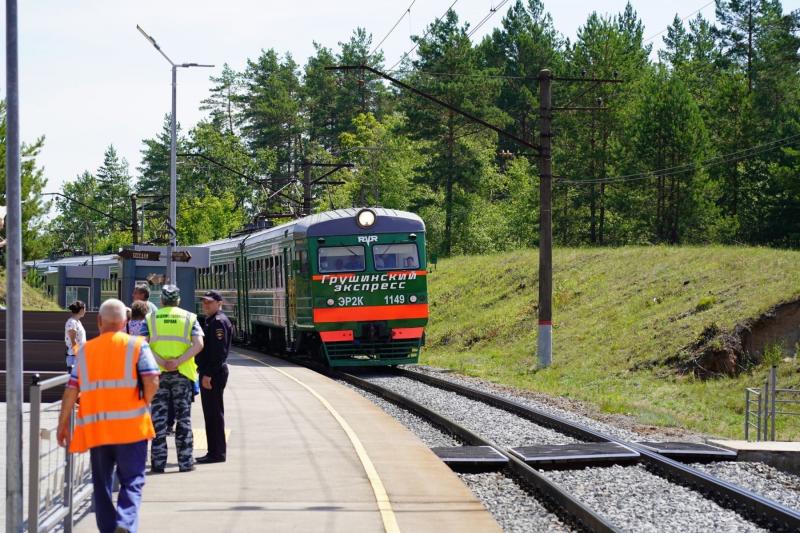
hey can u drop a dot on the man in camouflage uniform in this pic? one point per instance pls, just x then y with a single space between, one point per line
175 338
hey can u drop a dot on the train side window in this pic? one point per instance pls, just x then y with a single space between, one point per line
271 272
341 259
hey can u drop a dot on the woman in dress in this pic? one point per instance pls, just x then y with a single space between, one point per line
73 331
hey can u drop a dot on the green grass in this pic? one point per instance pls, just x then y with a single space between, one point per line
618 315
32 299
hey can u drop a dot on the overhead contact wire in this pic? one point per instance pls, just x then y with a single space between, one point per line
435 23
681 169
405 13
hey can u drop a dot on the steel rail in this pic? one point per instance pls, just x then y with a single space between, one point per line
557 498
747 503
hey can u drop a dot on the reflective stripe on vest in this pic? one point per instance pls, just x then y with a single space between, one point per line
111 415
83 370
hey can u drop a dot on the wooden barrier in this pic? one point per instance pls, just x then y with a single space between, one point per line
43 348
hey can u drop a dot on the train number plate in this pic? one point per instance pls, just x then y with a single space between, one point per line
347 301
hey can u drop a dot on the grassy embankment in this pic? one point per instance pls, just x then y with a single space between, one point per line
32 299
613 308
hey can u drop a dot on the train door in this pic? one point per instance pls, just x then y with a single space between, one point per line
288 292
241 310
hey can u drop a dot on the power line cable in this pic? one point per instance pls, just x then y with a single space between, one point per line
424 36
406 12
693 13
489 15
738 155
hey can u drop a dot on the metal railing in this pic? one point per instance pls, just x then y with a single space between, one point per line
768 401
58 481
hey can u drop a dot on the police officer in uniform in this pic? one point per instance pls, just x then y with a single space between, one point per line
175 338
214 375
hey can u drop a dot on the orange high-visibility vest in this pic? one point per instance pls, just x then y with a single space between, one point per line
111 410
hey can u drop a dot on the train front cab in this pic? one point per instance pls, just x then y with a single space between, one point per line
369 295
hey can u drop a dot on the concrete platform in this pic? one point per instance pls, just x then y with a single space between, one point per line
782 455
292 466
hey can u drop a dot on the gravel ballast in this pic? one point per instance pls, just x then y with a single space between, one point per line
432 436
633 499
501 427
514 509
571 416
760 478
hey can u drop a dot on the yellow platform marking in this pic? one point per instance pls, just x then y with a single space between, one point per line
381 497
201 438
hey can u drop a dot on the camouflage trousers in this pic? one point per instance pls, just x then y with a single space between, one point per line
174 389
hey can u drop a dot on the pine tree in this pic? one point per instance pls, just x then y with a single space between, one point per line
526 43
32 182
271 104
222 102
113 185
454 165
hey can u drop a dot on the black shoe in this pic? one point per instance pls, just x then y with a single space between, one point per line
208 459
186 469
156 469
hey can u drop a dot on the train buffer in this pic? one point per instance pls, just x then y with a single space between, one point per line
306 453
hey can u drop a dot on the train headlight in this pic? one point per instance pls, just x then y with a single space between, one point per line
412 299
366 218
330 301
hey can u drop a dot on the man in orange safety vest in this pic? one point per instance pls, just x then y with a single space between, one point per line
116 377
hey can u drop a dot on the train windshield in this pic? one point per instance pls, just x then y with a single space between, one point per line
341 259
395 256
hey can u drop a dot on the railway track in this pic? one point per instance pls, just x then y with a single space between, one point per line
747 504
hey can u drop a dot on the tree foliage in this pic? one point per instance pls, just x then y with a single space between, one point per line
697 143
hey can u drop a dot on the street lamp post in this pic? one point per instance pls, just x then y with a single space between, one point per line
170 274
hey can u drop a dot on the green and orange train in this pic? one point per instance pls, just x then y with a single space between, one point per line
348 286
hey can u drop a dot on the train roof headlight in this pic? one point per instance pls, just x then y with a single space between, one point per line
366 218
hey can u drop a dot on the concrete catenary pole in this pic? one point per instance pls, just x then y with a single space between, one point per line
545 338
13 281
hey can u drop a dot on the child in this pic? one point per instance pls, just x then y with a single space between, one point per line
136 323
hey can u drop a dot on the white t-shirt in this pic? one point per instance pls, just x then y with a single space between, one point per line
80 333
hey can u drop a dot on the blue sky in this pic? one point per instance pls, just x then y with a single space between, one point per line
88 78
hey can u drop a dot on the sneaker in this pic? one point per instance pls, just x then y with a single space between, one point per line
156 469
186 468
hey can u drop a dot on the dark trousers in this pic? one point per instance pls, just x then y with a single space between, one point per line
130 460
214 413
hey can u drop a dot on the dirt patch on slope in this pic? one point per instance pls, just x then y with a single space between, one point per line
718 352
